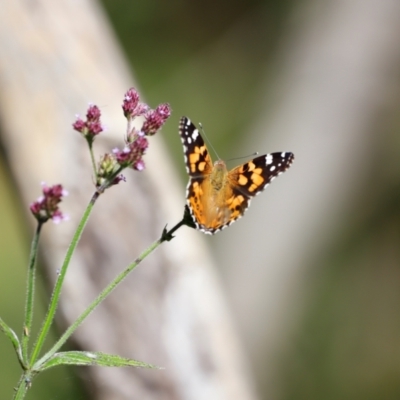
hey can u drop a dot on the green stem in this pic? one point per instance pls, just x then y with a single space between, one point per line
110 180
93 160
23 385
166 235
14 340
96 302
30 295
60 279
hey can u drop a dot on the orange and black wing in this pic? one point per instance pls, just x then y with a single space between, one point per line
253 177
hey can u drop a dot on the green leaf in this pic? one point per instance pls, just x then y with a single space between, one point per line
91 358
13 337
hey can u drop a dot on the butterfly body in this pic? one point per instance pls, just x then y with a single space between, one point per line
217 197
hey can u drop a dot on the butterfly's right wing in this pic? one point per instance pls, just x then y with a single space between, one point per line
253 177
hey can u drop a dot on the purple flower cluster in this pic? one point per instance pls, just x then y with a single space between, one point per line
92 126
46 206
155 119
131 105
132 153
136 142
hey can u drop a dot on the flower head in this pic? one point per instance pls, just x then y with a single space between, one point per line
131 105
155 119
92 126
131 155
46 206
136 143
108 166
93 113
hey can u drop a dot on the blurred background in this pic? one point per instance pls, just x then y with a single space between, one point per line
312 273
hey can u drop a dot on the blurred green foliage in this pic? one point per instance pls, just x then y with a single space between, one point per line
346 345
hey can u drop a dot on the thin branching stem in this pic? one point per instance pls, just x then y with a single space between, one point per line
166 235
30 294
93 160
60 279
22 387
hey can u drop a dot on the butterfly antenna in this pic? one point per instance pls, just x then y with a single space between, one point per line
208 140
249 155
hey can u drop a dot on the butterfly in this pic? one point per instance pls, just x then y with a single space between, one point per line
217 197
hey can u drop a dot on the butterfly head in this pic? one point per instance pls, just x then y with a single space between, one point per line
220 164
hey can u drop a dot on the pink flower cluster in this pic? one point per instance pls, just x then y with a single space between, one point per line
154 119
136 142
131 105
92 126
132 153
46 206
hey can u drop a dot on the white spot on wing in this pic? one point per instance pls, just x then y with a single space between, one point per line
268 159
195 134
272 168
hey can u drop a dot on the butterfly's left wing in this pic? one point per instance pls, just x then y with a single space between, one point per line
199 166
198 161
253 177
